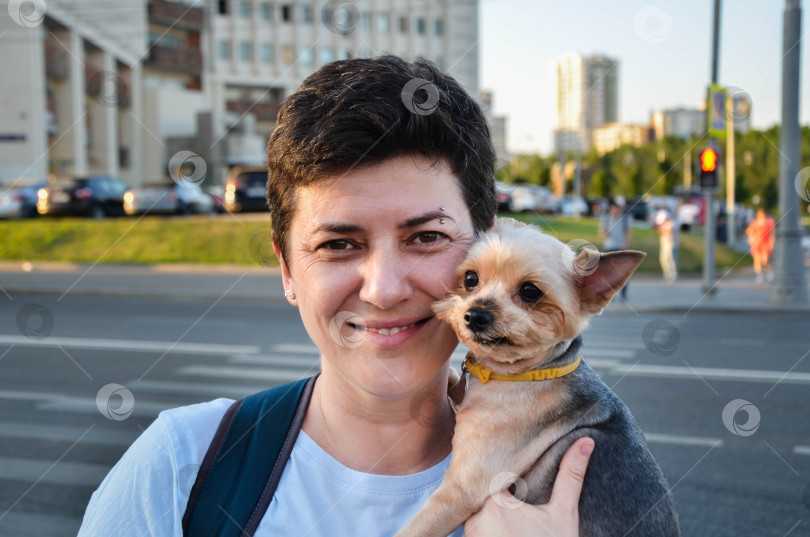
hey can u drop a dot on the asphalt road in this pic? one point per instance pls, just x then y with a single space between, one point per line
677 374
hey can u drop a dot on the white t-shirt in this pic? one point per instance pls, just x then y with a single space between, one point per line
146 493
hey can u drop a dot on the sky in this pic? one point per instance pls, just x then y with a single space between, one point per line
664 51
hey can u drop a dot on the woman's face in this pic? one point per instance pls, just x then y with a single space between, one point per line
369 252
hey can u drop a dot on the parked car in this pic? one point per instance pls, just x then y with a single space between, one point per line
638 209
246 189
504 193
217 194
170 198
97 197
597 206
532 198
566 204
19 200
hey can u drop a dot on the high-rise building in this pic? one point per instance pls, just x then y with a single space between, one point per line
587 98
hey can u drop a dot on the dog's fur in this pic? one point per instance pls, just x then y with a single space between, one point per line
523 428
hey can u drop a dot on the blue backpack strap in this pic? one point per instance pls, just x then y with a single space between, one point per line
244 462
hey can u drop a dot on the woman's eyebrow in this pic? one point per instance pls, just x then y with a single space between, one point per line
330 227
425 218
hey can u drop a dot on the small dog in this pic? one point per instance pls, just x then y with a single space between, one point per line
523 300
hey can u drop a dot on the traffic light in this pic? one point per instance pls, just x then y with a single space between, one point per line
708 168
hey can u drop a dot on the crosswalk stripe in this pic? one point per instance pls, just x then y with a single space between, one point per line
53 432
130 345
745 375
284 360
255 373
64 473
22 524
80 405
212 390
801 450
682 440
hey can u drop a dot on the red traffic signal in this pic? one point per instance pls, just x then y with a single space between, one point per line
708 160
708 168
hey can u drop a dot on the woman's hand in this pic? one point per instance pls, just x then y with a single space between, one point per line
558 518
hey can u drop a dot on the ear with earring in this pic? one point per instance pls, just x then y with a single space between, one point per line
289 294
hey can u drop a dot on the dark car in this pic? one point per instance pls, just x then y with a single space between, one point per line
246 189
97 197
19 200
638 209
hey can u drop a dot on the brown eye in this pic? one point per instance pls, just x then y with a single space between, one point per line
470 280
530 293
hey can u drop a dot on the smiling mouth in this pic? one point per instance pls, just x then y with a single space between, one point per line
391 330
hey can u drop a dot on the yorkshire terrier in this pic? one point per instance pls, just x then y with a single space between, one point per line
523 300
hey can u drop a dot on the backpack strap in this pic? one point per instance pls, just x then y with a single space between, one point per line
244 463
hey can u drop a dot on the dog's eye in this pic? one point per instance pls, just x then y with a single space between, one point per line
470 280
530 292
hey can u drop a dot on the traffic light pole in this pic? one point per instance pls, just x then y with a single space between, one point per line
709 224
789 286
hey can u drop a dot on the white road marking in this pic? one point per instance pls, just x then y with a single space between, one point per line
801 450
64 473
130 345
254 373
682 440
744 375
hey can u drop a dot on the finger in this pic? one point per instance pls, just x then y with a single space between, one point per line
568 485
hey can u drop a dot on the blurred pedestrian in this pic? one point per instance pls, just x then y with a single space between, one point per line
615 230
761 238
668 244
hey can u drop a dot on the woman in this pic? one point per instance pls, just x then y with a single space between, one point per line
376 192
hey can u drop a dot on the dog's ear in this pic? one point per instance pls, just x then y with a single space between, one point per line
600 281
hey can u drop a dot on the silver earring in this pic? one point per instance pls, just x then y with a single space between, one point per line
290 294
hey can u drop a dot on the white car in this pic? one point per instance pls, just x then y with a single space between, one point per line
168 199
565 206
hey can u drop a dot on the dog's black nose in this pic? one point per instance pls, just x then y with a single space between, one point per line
477 319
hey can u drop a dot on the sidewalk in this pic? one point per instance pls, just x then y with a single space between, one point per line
646 293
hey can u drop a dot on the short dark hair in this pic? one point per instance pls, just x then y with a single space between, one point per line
363 111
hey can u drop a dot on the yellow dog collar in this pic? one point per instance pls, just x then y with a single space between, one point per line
485 375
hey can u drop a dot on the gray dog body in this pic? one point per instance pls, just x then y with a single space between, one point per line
625 492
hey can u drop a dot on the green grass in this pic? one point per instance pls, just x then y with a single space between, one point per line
690 253
148 240
226 240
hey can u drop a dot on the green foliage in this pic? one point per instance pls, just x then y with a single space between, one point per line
656 168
